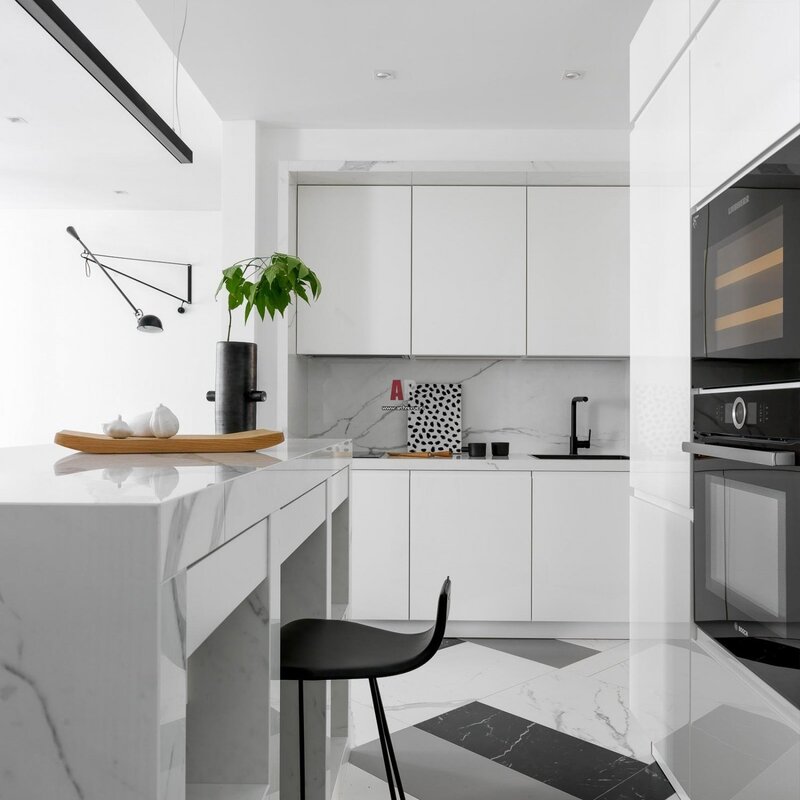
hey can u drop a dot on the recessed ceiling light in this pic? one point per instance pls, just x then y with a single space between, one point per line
17 120
120 191
572 75
384 75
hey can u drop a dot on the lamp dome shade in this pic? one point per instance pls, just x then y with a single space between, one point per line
149 323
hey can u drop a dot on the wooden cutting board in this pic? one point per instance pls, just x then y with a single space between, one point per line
414 454
244 442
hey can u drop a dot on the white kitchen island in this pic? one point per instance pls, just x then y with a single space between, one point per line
141 599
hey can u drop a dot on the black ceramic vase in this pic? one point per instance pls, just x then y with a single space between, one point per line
235 393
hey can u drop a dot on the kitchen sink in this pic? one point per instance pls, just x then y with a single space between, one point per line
580 456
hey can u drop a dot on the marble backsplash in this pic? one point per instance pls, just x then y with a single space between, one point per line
525 402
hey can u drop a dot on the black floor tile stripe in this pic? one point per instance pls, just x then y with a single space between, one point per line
649 784
582 769
552 652
450 642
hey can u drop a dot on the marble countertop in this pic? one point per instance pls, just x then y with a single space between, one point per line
519 462
49 474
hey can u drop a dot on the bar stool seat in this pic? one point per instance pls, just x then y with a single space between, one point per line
320 649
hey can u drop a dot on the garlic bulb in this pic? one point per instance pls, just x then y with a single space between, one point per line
117 428
140 424
164 423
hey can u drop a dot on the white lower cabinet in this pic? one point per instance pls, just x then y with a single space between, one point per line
580 546
379 542
476 528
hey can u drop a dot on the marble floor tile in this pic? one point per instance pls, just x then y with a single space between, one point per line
432 768
452 678
596 644
363 728
554 652
603 660
357 784
647 784
580 706
574 766
618 675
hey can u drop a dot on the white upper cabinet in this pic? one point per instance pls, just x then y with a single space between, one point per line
358 240
660 303
578 270
468 270
580 547
475 527
656 44
745 87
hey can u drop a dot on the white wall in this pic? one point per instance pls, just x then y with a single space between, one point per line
70 353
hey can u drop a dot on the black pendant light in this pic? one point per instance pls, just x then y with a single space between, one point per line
69 36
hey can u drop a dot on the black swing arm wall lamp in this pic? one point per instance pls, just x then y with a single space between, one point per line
147 323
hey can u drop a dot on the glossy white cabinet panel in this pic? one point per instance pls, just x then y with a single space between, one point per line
660 614
745 87
580 547
578 270
476 528
699 8
468 266
379 544
660 303
358 240
663 32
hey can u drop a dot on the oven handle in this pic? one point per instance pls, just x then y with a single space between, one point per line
766 458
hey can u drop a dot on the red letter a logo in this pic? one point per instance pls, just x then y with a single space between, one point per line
397 390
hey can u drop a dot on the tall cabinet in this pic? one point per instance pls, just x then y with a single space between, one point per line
660 395
716 84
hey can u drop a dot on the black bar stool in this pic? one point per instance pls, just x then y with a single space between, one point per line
323 649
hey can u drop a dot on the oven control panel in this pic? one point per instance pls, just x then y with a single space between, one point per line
768 413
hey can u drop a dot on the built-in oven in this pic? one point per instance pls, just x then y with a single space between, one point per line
747 527
746 278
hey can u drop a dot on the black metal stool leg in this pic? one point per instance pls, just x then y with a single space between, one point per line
382 735
382 723
302 740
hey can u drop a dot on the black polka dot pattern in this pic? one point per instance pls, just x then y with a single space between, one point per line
434 421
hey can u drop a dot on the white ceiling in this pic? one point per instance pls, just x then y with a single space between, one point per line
290 63
79 144
459 63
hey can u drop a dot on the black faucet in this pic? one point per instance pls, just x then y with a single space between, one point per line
574 441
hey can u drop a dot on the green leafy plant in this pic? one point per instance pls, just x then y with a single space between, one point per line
267 285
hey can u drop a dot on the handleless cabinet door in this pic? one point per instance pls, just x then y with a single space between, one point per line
660 611
745 87
578 270
580 546
379 544
468 266
663 32
660 296
476 528
358 240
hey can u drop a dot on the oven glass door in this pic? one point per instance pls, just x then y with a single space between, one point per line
746 565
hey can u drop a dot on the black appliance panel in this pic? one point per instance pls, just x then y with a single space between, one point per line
746 532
